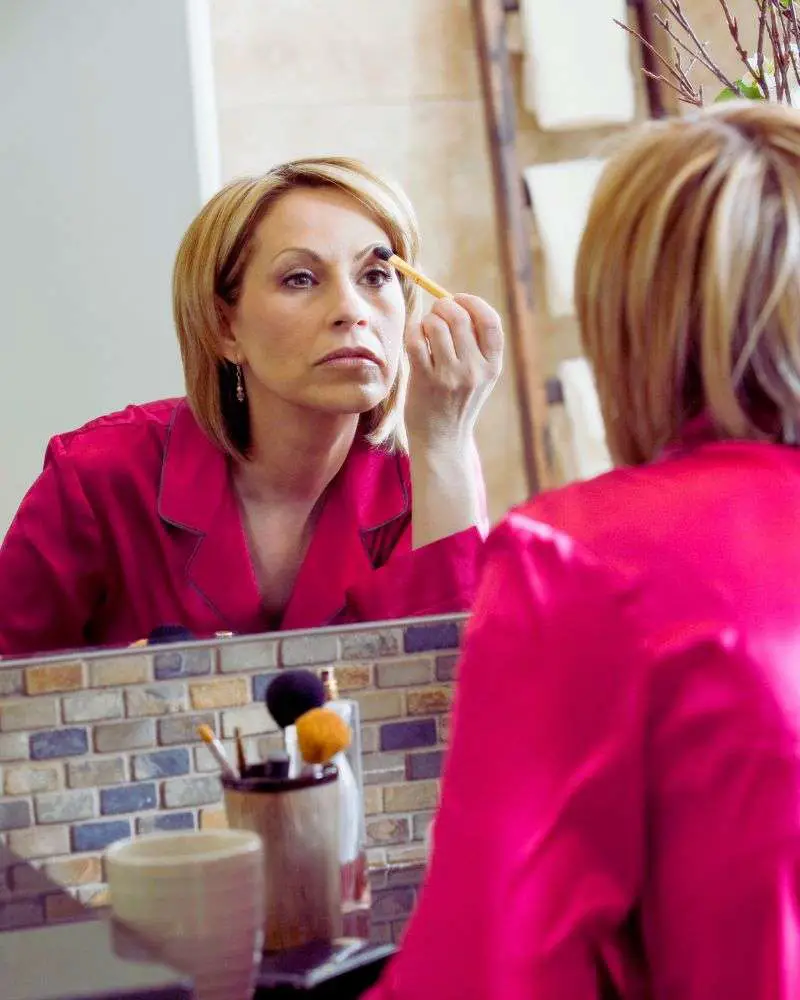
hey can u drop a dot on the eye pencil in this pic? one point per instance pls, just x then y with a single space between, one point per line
411 272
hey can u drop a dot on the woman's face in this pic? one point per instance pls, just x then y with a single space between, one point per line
312 291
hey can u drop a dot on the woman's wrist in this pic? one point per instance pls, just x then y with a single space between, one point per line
445 490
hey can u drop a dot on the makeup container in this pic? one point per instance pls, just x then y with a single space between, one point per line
298 821
353 844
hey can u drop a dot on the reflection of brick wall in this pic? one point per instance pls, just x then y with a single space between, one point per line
99 749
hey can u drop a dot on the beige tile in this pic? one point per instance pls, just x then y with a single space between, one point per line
254 139
331 52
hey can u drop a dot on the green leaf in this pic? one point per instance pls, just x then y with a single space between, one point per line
750 91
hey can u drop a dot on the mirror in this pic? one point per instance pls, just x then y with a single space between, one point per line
122 122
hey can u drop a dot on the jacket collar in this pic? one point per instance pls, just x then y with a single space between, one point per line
195 475
196 495
695 432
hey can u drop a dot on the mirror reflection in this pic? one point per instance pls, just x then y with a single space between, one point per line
320 466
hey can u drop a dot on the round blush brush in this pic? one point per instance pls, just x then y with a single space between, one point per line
291 694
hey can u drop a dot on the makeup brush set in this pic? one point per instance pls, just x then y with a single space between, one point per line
306 803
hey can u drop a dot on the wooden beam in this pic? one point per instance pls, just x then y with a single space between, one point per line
660 99
513 230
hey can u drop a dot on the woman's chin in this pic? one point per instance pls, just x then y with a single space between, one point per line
353 401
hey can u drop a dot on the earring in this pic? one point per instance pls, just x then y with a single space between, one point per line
239 384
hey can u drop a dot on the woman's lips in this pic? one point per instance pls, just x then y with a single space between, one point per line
347 358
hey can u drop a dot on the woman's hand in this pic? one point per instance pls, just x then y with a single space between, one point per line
456 356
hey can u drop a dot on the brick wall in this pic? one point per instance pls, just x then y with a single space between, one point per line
100 748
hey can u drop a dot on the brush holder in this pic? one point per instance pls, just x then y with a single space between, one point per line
298 821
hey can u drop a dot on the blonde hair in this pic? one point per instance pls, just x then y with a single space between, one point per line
210 266
687 282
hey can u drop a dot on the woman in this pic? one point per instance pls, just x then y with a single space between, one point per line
286 491
620 814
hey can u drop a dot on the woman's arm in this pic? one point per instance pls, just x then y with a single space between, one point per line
456 357
51 563
438 578
538 845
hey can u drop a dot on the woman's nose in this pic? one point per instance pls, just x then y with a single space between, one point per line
348 307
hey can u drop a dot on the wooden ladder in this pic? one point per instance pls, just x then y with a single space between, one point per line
514 221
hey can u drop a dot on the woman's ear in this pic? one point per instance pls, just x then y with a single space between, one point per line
228 344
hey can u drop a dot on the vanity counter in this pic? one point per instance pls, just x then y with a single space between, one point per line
54 948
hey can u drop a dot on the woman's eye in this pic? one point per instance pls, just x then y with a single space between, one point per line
377 276
300 279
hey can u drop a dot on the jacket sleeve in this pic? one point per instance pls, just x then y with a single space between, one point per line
538 841
437 579
51 563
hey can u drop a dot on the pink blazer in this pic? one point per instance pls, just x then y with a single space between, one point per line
133 524
620 811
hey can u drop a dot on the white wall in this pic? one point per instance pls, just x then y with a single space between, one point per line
107 149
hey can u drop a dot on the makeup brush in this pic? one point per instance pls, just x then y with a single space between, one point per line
318 735
411 272
322 737
321 734
288 696
241 760
206 734
292 693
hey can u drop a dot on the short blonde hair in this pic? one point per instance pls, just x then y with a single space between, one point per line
210 266
687 282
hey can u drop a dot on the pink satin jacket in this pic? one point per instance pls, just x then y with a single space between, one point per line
133 523
620 811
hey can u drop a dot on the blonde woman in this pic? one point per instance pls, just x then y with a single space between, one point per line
620 814
301 482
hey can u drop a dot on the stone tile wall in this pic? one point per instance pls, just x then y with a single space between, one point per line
96 749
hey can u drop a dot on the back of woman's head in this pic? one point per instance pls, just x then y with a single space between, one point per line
688 279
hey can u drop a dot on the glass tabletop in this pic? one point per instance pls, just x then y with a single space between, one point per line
43 930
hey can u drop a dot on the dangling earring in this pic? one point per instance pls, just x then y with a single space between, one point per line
239 384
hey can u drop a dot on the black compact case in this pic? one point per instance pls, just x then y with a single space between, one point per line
339 970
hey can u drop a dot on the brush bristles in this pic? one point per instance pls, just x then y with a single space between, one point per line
383 252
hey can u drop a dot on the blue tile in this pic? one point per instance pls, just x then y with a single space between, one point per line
260 684
421 638
96 836
59 743
190 663
161 764
165 821
15 814
405 735
128 798
424 765
446 667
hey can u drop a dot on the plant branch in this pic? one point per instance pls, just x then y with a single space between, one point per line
699 53
775 62
680 83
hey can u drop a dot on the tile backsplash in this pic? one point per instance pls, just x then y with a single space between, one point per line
102 747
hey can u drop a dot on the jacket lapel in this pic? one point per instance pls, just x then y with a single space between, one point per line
196 497
366 510
367 507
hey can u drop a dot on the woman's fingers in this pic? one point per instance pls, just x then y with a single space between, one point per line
486 323
419 353
439 335
459 325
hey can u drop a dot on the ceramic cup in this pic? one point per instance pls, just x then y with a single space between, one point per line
198 900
